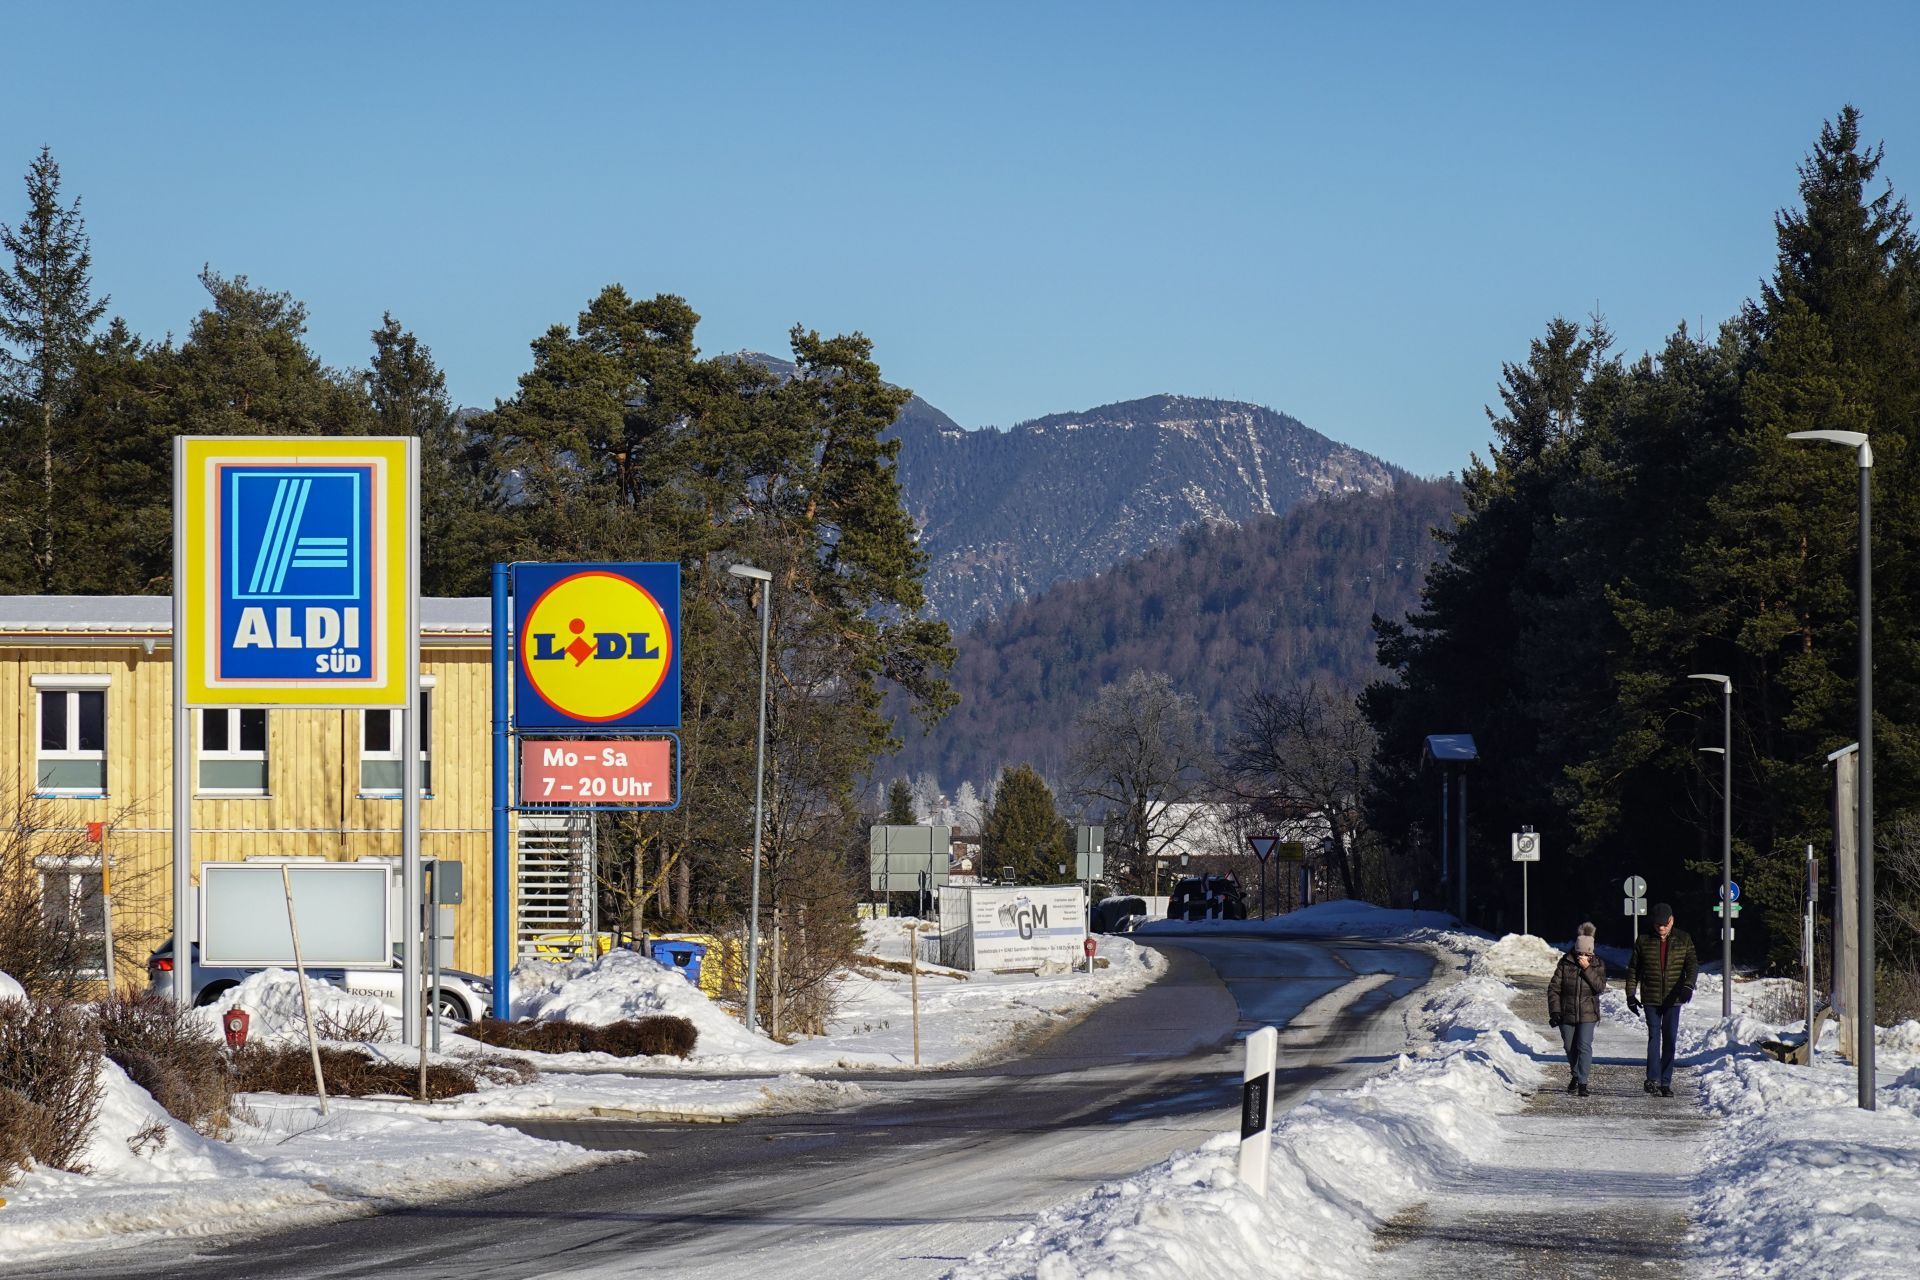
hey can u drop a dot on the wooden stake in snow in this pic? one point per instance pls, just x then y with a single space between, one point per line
913 967
306 1002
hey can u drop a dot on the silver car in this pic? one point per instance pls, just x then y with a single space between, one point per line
464 997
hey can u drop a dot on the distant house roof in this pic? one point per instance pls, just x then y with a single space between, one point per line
1451 748
148 617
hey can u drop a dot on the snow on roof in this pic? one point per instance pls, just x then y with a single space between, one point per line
1451 748
153 615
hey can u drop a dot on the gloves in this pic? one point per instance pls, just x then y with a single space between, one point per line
1683 995
1553 1019
1633 1006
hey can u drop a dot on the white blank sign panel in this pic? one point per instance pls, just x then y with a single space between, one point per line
342 909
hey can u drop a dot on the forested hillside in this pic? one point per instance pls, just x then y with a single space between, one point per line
1003 515
1224 610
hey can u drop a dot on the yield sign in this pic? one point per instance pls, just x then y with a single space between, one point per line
1262 846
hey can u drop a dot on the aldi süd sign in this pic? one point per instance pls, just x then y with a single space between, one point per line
296 559
596 645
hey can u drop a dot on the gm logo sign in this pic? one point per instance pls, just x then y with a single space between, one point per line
597 644
296 560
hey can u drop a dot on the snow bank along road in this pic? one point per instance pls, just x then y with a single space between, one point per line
910 1183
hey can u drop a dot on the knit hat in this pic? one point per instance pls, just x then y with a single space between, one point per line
1661 914
1583 945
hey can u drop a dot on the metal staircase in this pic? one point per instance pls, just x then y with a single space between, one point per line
556 879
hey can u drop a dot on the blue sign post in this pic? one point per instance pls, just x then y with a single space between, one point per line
581 649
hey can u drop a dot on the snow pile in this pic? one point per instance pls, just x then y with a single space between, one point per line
1341 1165
152 1177
1798 1181
1519 955
271 999
11 990
622 985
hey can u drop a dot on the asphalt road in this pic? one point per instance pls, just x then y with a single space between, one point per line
931 1169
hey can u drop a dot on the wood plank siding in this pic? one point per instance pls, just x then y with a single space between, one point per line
313 806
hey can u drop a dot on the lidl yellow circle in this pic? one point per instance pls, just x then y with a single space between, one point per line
596 646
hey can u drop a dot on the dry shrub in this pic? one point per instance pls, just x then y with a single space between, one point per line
49 1084
635 1038
502 1071
170 1053
365 1024
1896 996
350 1073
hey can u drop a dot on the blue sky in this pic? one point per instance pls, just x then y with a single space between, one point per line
1354 215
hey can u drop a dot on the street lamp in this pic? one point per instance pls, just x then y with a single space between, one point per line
1726 843
765 581
1863 1043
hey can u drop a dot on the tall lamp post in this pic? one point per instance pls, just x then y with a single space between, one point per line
1863 451
765 587
1726 842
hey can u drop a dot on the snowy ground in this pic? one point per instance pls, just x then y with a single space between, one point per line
1793 1181
287 1166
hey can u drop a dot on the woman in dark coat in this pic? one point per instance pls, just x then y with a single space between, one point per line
1573 1005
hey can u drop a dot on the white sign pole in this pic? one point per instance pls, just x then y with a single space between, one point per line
410 869
182 749
1256 1108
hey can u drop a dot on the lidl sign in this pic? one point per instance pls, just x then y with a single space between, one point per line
295 560
596 645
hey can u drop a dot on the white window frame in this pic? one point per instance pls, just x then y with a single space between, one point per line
71 686
392 754
72 869
233 752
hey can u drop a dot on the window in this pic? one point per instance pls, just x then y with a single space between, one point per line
380 748
71 903
73 737
233 751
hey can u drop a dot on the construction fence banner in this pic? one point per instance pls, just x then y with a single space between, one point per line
1009 928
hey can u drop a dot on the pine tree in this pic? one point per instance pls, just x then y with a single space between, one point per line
460 537
1024 829
900 812
47 312
246 369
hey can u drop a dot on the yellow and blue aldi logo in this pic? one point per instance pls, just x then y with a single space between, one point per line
597 645
295 556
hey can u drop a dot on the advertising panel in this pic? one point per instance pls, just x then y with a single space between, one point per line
342 907
1025 928
598 646
296 588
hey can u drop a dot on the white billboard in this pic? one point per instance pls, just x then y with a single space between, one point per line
1025 928
341 906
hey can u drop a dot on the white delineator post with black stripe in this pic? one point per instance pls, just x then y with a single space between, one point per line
1256 1108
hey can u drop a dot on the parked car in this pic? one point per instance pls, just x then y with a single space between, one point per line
1207 898
464 997
1118 914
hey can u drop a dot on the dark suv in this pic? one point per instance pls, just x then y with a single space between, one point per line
1206 898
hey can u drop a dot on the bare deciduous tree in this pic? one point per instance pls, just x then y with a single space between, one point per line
1140 757
1300 749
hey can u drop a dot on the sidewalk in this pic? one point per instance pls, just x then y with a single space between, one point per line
1592 1188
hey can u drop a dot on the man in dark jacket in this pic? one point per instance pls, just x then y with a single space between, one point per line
1661 976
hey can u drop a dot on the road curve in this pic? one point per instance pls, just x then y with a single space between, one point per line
931 1169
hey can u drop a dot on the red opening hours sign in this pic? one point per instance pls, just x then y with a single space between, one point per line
623 772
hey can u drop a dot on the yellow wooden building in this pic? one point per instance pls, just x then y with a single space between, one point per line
89 681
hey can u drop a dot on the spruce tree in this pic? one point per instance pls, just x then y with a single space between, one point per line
47 312
900 804
1024 829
